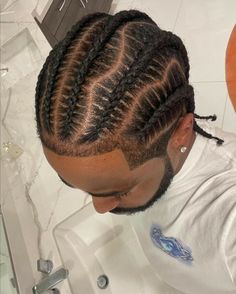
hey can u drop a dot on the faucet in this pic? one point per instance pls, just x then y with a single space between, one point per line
50 281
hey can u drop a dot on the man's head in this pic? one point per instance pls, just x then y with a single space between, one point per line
114 106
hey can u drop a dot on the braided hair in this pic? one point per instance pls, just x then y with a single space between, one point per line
114 82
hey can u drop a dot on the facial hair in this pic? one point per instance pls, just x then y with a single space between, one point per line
165 183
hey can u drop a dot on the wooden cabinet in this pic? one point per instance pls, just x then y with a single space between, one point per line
63 14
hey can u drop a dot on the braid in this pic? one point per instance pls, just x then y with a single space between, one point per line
212 117
204 133
115 81
181 93
40 85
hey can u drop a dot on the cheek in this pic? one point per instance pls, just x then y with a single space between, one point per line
143 192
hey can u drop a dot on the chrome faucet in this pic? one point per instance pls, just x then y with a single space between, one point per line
50 281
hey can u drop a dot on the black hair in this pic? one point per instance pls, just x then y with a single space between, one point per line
114 81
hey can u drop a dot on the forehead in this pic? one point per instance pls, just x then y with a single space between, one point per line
98 172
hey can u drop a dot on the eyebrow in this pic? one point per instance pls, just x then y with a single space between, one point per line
107 194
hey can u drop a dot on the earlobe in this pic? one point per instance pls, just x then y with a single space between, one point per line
182 133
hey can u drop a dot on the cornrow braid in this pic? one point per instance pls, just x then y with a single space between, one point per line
181 93
114 81
40 86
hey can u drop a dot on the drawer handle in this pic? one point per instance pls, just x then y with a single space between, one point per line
82 3
60 9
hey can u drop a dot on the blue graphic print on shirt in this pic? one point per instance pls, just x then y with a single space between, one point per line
170 245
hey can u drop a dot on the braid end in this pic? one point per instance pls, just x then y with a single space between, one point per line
212 117
219 142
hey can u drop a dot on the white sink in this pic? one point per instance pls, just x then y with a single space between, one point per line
92 244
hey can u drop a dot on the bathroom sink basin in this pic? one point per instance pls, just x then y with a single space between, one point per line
92 245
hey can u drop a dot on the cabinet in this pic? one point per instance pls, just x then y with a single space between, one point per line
63 14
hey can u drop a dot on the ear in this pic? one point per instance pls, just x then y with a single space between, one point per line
183 133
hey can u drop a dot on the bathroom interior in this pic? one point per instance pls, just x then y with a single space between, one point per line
43 223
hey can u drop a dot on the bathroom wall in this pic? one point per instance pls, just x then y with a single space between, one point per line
39 198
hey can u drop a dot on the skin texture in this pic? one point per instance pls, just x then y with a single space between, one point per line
108 172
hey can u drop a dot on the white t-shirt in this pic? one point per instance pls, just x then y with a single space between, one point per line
189 235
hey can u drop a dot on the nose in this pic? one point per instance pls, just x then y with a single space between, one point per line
105 204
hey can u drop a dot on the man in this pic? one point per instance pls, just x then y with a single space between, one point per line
115 114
